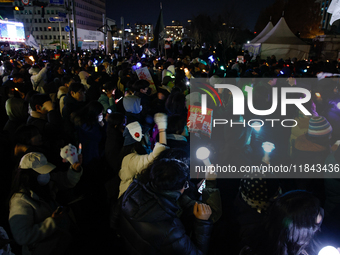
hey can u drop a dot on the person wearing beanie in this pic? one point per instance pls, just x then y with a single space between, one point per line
36 221
312 148
134 156
255 196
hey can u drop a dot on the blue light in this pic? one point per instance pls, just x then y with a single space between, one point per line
338 105
305 71
282 72
222 68
138 65
143 56
211 58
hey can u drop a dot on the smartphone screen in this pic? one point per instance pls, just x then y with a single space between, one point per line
203 185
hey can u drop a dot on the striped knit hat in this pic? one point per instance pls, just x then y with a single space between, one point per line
319 127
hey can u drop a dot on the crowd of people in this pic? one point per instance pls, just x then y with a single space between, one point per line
97 159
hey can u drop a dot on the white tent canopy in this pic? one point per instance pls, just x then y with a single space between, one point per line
281 42
264 32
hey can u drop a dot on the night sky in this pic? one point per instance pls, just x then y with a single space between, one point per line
147 11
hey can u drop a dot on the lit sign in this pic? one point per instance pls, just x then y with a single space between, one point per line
12 31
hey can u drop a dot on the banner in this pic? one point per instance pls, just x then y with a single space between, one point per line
198 123
253 49
144 74
89 35
32 42
88 45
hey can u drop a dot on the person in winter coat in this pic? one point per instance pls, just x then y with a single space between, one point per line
17 111
107 98
149 223
135 158
73 101
44 117
35 220
66 81
38 78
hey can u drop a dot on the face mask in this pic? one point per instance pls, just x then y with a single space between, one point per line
43 179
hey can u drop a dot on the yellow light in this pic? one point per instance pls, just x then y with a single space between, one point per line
318 94
31 58
16 8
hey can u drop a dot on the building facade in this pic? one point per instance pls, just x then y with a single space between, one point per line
142 29
326 17
89 16
175 32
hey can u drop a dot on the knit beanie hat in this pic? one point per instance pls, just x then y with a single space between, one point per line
257 191
319 127
132 133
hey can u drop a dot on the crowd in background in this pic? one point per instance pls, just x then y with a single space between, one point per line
129 191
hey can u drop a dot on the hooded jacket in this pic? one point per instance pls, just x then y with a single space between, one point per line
30 218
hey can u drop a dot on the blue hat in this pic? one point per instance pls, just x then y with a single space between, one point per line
319 127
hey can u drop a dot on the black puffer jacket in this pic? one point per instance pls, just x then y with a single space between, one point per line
149 224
